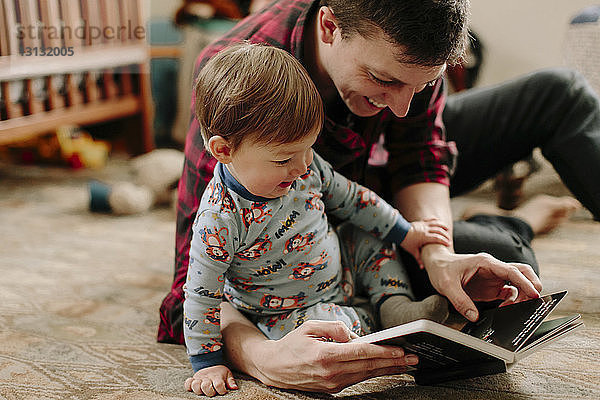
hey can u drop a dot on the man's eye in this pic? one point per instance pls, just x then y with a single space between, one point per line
282 162
380 82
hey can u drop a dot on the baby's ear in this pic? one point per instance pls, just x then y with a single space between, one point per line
220 148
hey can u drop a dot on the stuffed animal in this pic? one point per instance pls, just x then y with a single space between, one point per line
154 183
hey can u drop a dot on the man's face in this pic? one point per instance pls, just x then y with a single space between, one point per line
369 78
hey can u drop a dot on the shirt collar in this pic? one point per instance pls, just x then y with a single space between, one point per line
297 35
232 183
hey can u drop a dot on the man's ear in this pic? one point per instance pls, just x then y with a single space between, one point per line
328 25
220 148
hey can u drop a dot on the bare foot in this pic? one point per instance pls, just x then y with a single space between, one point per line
542 212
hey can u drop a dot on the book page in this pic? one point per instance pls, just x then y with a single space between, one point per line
510 326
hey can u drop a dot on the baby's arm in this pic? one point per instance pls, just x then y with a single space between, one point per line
211 381
424 232
211 252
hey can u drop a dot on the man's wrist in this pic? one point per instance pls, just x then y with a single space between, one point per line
431 254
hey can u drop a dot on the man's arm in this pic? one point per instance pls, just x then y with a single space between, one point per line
463 278
305 359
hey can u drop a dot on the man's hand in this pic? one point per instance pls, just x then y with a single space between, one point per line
211 381
314 357
464 278
317 357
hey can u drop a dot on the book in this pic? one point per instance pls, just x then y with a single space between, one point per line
493 344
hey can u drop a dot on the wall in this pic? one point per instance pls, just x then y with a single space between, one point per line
521 36
164 9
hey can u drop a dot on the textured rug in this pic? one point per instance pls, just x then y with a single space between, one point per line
79 298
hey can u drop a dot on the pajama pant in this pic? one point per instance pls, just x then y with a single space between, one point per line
370 270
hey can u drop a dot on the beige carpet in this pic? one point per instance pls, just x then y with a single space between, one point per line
79 298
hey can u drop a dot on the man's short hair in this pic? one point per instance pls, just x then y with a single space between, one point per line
256 92
429 32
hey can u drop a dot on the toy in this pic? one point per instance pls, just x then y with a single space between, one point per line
155 178
68 145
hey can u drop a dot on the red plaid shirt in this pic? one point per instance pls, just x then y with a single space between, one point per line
416 144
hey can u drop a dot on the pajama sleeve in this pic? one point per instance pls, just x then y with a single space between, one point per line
212 248
352 202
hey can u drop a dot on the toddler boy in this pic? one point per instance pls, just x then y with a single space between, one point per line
261 237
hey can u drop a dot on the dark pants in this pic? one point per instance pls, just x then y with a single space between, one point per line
555 110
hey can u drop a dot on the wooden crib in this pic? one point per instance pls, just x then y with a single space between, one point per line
81 62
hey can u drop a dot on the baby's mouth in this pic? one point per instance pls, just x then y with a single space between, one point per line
285 184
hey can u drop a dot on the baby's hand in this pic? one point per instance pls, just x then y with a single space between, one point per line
211 381
428 231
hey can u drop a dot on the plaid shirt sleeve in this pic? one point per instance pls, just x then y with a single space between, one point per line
417 146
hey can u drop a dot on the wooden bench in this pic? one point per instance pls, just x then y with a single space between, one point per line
81 62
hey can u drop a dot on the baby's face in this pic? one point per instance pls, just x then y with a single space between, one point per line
268 170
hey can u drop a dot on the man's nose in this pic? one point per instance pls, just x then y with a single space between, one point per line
398 100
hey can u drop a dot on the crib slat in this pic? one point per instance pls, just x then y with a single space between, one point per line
3 32
126 85
51 22
71 16
10 46
50 18
130 18
13 109
29 22
10 28
91 14
72 92
109 18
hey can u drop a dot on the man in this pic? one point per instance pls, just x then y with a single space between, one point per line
378 67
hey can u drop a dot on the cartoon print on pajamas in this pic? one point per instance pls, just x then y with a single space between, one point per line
244 283
313 202
257 213
227 204
215 190
202 291
212 316
299 242
384 256
366 198
272 321
305 270
212 345
258 248
394 282
282 303
215 244
190 322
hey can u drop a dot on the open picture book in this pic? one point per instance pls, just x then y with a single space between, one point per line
501 337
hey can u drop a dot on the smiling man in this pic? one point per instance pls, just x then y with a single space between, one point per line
378 66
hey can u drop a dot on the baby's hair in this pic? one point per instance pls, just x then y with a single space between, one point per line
256 92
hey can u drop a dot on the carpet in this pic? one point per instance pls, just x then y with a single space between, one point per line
80 292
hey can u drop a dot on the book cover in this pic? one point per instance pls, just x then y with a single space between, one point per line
487 346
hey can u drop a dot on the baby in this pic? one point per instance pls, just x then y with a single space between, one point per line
261 237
